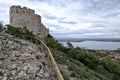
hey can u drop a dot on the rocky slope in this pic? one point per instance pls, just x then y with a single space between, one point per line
22 60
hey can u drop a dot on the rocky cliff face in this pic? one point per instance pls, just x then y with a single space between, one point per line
22 60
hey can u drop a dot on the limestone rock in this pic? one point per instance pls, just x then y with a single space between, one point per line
22 60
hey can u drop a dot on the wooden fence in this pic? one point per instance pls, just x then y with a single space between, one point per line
51 59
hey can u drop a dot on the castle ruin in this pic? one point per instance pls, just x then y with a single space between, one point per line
25 17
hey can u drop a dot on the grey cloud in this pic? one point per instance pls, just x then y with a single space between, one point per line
60 3
62 18
50 25
48 16
67 22
2 11
103 14
110 15
101 6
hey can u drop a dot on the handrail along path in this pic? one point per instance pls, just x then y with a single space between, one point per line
50 57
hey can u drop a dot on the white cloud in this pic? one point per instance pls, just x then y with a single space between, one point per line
74 18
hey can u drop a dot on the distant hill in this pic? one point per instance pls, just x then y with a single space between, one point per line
88 39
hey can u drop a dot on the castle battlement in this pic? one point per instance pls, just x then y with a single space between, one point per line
21 10
23 16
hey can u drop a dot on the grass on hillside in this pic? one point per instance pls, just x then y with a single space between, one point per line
83 64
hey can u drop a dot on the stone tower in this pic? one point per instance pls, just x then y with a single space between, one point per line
25 17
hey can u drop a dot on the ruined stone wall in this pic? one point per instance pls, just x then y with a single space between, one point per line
23 16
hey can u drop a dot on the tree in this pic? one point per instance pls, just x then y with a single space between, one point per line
118 50
69 45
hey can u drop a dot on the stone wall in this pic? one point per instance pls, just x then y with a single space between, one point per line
25 17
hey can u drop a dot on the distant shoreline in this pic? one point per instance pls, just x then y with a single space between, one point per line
88 39
95 45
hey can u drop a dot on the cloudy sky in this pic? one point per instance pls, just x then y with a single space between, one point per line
73 18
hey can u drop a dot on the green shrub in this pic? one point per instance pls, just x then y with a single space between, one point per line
23 33
118 50
69 45
53 43
1 26
1 29
59 56
88 58
106 69
65 76
112 66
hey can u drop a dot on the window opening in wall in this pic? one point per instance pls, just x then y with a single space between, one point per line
16 11
23 12
29 12
11 11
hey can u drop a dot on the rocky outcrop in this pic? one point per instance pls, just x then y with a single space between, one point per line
22 60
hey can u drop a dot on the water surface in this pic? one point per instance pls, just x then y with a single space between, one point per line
96 45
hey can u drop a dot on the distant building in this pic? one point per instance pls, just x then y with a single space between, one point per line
25 17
